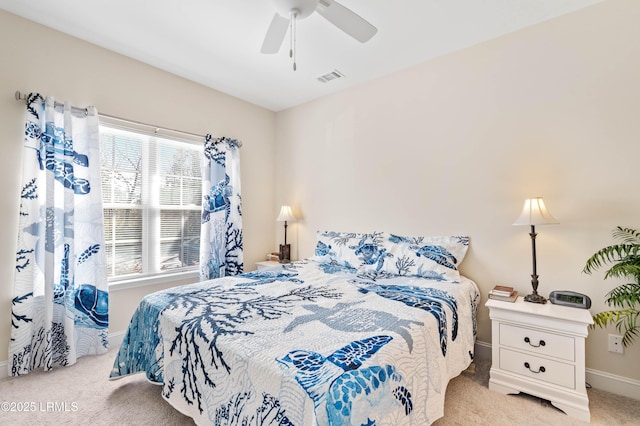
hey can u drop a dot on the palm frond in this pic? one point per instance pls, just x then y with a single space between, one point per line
626 268
616 253
603 319
629 324
625 260
626 235
625 321
625 295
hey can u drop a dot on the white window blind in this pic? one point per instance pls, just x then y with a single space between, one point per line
152 192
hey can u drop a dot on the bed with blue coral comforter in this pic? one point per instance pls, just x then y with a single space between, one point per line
302 344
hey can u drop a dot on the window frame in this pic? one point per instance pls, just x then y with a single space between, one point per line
151 211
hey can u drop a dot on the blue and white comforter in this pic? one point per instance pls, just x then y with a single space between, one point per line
304 344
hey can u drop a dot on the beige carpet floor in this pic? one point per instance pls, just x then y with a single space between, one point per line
82 395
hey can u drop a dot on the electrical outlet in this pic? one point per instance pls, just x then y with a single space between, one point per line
615 344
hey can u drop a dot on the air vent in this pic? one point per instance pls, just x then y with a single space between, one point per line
333 75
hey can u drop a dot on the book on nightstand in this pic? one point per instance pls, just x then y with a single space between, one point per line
506 294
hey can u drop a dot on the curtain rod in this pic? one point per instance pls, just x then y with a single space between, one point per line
156 129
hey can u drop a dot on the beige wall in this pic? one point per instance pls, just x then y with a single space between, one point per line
455 145
35 58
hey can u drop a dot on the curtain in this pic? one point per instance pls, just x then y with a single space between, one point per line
221 230
60 304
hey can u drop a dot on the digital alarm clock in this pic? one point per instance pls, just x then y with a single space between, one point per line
570 298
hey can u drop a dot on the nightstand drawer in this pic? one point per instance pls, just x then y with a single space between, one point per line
537 342
538 368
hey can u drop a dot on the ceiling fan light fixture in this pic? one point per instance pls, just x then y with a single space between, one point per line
304 8
288 12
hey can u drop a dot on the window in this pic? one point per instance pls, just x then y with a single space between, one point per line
152 191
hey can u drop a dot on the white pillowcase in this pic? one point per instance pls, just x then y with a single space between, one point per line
349 249
428 257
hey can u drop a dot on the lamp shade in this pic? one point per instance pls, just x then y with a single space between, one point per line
286 215
535 212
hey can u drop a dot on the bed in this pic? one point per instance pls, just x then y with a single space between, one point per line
368 331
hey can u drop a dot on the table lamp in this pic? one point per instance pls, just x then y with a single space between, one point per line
285 249
534 213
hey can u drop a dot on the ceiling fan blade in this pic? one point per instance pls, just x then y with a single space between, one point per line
275 34
347 20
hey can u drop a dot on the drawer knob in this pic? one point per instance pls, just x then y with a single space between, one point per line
541 343
540 370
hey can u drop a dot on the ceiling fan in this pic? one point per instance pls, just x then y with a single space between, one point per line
289 11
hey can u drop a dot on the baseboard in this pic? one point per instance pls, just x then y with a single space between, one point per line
613 383
115 339
597 379
482 350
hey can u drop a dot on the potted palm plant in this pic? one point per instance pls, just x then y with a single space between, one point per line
625 298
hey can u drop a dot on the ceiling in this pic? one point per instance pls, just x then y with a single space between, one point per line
217 42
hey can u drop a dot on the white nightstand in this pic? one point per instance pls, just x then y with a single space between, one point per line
539 350
267 263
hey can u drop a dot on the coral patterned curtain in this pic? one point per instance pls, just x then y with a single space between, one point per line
60 306
221 231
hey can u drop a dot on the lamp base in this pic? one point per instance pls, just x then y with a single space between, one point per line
284 256
535 298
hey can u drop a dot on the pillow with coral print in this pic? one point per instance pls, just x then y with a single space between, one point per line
349 249
435 258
